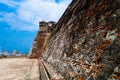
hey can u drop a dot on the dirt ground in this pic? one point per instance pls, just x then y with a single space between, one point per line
19 69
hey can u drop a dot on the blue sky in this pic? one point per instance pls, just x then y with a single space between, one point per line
19 21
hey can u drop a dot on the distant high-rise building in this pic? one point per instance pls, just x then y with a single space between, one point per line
15 52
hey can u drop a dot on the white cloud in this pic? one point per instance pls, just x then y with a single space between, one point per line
10 3
30 12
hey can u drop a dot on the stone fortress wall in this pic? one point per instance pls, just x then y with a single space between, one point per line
45 30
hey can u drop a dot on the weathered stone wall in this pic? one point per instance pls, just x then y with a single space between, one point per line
41 39
39 44
85 44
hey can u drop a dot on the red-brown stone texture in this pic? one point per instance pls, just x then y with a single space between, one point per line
85 43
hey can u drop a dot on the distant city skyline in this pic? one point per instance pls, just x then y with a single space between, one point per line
19 21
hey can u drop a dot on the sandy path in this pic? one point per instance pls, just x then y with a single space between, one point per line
19 69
